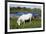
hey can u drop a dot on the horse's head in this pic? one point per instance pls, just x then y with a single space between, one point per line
18 21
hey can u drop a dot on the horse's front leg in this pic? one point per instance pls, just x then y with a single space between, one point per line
24 22
30 20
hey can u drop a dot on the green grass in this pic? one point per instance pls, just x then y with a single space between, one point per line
36 23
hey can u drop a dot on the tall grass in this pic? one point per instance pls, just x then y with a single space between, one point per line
35 23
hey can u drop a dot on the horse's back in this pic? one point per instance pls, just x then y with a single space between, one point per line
25 16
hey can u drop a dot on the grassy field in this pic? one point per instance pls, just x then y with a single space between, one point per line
36 23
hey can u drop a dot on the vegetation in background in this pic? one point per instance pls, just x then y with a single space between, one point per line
24 9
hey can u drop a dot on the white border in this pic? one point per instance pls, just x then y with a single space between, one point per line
30 29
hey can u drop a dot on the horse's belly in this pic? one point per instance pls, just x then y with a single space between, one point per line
26 18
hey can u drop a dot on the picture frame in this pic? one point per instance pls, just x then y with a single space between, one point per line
9 4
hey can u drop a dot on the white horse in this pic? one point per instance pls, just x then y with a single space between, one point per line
24 17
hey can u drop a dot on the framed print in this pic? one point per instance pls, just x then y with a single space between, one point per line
24 16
